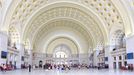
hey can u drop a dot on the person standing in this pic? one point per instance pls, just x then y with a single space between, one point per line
1 67
4 67
29 67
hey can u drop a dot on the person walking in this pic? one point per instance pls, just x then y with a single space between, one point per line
4 67
29 67
1 68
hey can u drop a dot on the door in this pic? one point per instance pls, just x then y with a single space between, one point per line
114 65
120 65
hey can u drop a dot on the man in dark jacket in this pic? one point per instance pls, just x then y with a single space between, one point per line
29 67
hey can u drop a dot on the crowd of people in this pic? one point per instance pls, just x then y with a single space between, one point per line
48 66
61 66
127 67
6 67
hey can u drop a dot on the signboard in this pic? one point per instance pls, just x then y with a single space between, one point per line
3 54
129 55
106 58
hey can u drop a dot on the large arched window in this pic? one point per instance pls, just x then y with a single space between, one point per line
27 46
61 54
14 37
62 51
118 39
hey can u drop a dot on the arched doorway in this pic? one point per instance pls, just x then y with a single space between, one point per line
61 54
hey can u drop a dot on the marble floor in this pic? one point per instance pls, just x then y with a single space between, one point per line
71 72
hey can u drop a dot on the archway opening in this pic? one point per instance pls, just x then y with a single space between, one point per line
61 54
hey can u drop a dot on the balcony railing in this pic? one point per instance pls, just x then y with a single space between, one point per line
11 49
119 51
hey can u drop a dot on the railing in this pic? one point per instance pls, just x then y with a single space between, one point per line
10 49
119 51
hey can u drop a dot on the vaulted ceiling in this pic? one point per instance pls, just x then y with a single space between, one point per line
87 23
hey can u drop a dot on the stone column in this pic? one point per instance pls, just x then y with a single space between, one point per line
95 58
19 61
30 57
108 50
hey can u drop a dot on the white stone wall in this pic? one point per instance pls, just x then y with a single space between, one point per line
130 48
82 59
3 46
119 52
95 58
20 47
